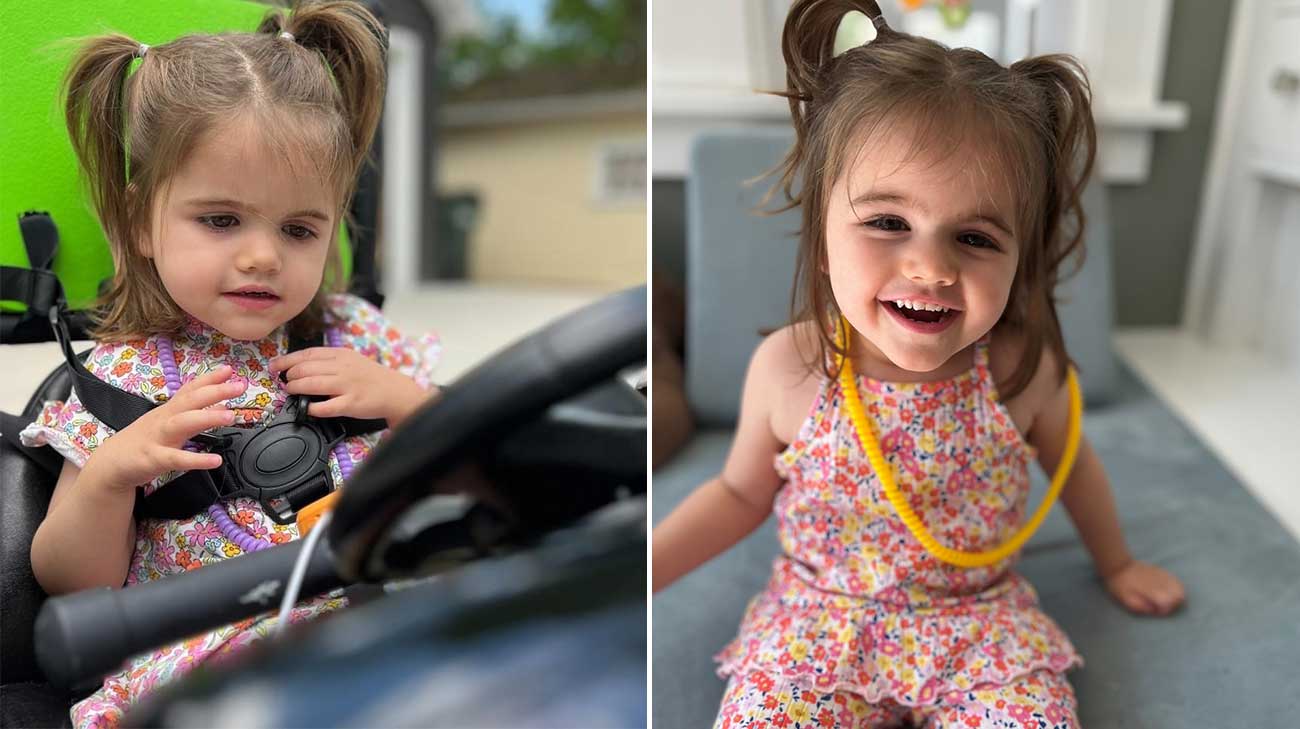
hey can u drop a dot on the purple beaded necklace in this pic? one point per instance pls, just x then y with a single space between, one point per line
232 531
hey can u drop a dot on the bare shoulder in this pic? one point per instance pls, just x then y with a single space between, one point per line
784 363
784 349
1006 349
769 412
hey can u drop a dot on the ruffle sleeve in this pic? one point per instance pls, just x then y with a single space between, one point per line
69 428
365 329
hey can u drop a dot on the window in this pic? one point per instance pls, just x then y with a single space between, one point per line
620 173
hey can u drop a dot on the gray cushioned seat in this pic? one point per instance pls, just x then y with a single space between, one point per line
1225 660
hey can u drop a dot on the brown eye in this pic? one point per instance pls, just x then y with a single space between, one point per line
298 232
977 240
219 222
888 224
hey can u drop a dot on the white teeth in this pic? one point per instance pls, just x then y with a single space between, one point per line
918 306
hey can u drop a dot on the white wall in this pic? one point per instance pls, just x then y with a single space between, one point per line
709 59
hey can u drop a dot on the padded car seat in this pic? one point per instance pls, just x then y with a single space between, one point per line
25 487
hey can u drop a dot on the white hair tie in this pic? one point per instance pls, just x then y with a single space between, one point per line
143 49
286 35
856 29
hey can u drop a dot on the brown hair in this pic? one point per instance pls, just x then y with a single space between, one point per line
321 91
1033 118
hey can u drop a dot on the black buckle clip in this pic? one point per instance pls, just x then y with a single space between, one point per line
284 464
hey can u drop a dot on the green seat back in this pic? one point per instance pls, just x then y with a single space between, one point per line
38 169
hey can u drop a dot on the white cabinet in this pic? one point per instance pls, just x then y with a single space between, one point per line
1242 291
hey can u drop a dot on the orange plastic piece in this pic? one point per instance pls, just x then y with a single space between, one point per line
311 513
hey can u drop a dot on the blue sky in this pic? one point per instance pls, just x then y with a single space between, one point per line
531 13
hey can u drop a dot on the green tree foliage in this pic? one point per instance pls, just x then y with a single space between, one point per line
586 43
596 31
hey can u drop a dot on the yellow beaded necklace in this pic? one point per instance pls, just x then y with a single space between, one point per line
867 436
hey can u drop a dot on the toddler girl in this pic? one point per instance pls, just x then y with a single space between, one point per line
940 197
220 170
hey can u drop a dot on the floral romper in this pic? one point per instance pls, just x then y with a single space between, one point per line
169 546
859 626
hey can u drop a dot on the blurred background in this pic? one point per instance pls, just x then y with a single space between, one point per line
515 150
1198 111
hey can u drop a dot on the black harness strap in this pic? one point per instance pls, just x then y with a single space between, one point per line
115 408
37 287
181 498
194 491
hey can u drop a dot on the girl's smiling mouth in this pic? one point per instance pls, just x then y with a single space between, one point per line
920 316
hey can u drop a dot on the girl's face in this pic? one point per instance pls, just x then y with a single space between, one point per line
934 234
240 239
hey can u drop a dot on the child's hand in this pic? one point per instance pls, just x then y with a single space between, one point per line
357 386
151 446
1146 589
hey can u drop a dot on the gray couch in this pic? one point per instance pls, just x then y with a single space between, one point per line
1226 659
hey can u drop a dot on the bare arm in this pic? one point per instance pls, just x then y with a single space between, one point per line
88 533
1090 502
87 536
713 518
729 507
1087 495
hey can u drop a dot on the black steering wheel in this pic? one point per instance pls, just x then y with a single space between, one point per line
479 410
480 425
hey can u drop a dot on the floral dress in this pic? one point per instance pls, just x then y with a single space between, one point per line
169 546
855 604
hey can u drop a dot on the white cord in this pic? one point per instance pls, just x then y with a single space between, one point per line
299 572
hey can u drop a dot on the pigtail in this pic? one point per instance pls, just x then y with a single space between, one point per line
105 137
96 118
808 46
1069 149
353 43
1072 144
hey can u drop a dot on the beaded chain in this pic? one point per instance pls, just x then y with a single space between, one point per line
246 541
